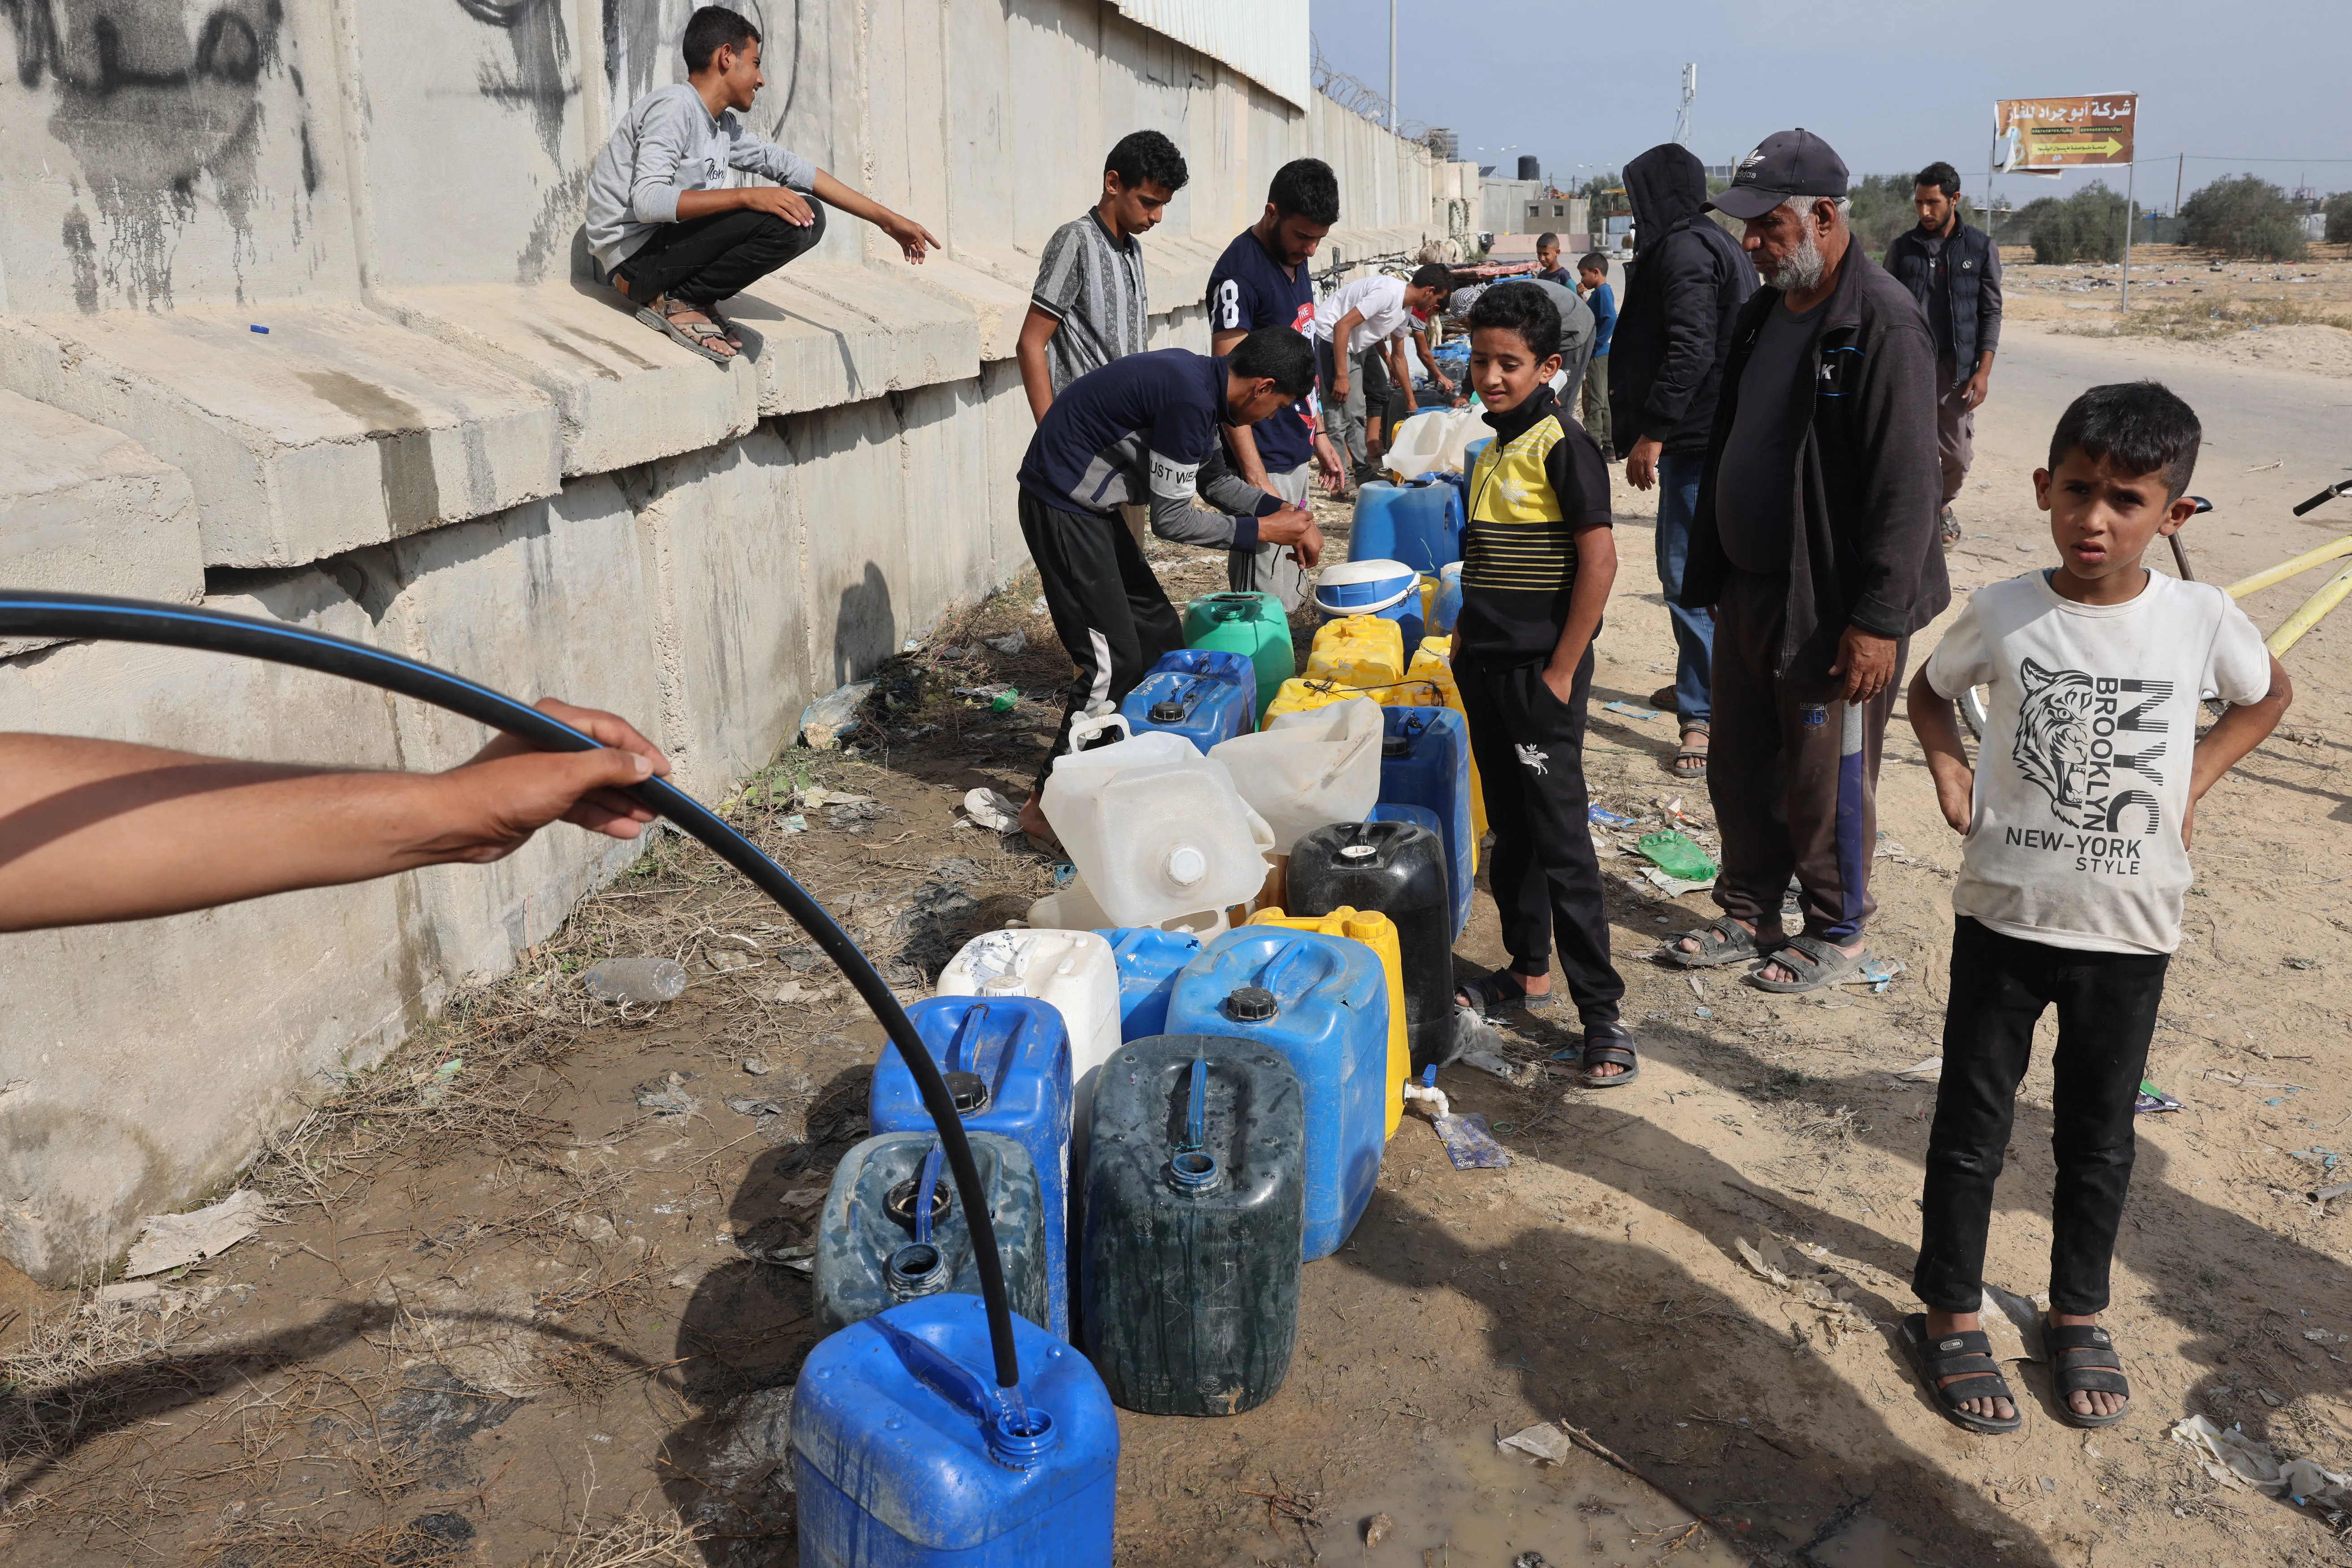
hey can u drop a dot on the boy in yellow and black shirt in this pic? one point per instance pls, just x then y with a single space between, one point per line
1537 565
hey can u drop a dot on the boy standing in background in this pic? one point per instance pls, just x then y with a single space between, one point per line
2078 817
1592 284
1537 562
1089 306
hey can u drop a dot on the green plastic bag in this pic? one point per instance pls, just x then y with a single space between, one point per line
1677 856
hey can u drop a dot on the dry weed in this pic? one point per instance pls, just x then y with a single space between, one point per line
77 1367
2195 319
629 1540
291 1545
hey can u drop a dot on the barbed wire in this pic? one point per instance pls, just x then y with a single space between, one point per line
1357 96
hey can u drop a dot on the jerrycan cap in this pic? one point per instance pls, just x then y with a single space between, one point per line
1167 712
1186 865
1252 1004
1356 849
969 1090
1004 985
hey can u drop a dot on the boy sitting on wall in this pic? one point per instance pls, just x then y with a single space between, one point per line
668 226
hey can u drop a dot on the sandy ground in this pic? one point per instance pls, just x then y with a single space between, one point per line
539 1307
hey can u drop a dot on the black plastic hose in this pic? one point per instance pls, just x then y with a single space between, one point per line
101 618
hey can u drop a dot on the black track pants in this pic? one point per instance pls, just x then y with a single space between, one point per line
1109 609
706 259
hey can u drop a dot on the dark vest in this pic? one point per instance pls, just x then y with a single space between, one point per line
1966 254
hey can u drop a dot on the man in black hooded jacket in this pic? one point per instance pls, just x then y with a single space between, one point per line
1687 282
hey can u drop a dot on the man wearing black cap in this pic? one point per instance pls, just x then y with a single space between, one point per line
1814 541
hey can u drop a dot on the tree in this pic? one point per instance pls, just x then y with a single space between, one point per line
2339 217
2244 216
2087 226
1882 209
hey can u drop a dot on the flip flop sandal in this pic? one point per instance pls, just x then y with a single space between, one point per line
1947 528
697 336
1609 1045
1690 753
2082 1361
1663 697
1950 1357
1720 942
726 328
1499 992
1815 962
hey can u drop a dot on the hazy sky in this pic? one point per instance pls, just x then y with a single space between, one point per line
1891 85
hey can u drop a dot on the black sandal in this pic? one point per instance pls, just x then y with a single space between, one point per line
1499 992
2082 1361
1950 1355
1609 1045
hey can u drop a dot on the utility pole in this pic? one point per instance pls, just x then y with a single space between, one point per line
1690 96
2179 172
1393 112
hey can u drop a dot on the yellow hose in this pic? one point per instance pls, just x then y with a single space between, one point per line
2318 605
2286 569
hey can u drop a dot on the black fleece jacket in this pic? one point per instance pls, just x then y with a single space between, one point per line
1863 550
1687 282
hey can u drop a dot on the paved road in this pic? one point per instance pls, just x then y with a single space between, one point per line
2252 417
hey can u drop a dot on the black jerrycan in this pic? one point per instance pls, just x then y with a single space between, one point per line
1195 1216
1398 868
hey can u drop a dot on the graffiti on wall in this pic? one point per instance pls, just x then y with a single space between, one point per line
641 53
541 80
150 111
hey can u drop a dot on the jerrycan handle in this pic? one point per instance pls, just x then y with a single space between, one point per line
1281 966
974 1018
1191 1167
925 1187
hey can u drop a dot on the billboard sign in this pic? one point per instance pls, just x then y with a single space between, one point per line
2041 134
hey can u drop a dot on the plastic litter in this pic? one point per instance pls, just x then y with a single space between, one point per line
824 721
987 808
1470 1144
1545 1442
1012 643
1607 818
640 980
168 1241
2151 1099
1487 1062
2340 1190
1632 711
2237 1460
1677 856
257 328
436 1088
1929 1069
1878 974
1674 887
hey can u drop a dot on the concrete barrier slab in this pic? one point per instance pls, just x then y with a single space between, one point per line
624 394
886 335
333 429
88 511
999 307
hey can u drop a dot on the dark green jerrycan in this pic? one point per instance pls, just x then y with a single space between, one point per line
1194 1215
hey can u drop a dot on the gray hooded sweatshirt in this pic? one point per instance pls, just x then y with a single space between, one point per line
666 145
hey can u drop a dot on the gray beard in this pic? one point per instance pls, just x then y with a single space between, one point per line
1802 270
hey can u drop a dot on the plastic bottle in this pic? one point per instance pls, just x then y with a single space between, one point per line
636 980
1195 1221
1156 829
906 1453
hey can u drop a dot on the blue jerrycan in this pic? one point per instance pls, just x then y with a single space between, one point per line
1195 1212
1322 1003
1417 522
1007 1062
1205 695
1149 961
1426 761
892 1229
906 1455
1418 815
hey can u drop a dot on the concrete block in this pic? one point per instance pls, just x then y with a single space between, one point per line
727 530
829 335
1005 406
86 509
553 598
949 546
998 305
336 428
140 1063
624 394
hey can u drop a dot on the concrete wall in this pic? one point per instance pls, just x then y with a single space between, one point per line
449 442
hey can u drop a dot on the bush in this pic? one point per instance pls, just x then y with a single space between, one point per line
2244 216
2087 226
2339 217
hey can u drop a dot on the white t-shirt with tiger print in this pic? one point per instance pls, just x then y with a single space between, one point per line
2081 779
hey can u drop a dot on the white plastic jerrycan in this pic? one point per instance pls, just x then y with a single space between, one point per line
1156 829
1072 908
1075 972
1309 769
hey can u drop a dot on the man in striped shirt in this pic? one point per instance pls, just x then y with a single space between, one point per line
1088 307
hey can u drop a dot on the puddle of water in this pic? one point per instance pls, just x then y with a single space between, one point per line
1868 1543
1468 1506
